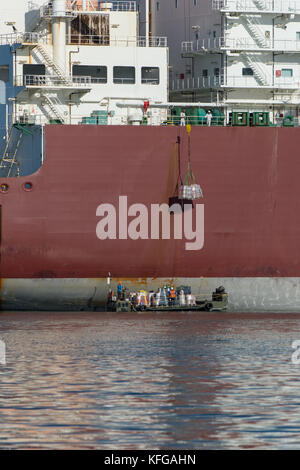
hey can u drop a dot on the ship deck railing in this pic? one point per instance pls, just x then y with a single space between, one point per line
244 44
117 41
85 39
249 81
195 83
198 121
203 46
248 6
48 81
220 120
229 81
92 6
153 41
23 38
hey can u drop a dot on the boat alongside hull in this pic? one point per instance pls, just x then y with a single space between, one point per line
245 294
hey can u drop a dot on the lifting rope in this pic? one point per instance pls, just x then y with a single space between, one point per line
179 183
190 189
189 178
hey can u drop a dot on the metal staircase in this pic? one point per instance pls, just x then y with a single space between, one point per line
258 70
53 102
254 26
66 80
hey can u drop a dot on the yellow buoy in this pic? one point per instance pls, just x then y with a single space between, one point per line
188 128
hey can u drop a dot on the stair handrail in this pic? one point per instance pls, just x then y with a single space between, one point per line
53 106
56 65
265 76
254 23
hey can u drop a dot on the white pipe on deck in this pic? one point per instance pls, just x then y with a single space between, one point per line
166 105
59 33
122 101
147 22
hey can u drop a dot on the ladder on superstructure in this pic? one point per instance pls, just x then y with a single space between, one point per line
53 104
65 79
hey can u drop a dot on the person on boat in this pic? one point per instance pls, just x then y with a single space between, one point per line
172 295
120 290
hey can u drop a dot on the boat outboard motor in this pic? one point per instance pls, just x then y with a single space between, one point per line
218 294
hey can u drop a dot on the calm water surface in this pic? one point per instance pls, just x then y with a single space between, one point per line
149 381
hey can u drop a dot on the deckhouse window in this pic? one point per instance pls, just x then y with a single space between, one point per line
34 74
247 71
34 69
287 72
150 75
98 73
124 75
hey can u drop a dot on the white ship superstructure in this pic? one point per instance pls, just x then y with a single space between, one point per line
241 54
83 62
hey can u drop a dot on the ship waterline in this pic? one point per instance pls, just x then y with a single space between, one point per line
245 294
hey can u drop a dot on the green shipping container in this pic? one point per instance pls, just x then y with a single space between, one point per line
240 118
90 120
175 114
201 113
261 119
99 113
102 121
191 116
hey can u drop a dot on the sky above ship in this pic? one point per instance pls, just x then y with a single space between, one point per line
14 11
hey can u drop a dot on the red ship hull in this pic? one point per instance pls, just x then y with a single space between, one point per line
250 180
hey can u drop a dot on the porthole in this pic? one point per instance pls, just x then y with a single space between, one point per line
27 186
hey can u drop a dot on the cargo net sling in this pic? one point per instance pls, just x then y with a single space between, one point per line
186 190
189 189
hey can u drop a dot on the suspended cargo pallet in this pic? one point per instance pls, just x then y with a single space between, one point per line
187 190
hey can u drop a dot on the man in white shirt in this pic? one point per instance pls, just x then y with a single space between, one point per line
208 118
182 117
